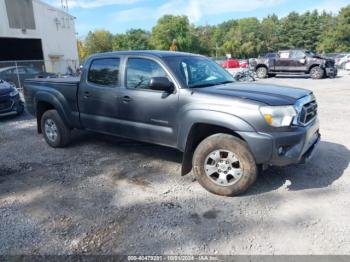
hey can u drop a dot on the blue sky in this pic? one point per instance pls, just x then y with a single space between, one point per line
118 16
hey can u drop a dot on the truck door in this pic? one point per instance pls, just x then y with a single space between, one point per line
284 63
146 114
98 95
299 60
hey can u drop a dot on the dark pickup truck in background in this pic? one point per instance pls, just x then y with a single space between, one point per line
227 131
295 62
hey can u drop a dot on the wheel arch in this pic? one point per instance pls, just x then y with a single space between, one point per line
312 66
197 133
261 65
44 102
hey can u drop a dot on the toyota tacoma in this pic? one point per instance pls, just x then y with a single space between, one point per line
227 131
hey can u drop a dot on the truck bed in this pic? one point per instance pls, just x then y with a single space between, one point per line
58 80
61 92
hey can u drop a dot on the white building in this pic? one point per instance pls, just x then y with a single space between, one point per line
34 30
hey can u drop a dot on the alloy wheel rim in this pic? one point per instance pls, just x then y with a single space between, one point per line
51 130
223 167
261 73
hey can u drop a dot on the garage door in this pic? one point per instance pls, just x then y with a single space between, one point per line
15 49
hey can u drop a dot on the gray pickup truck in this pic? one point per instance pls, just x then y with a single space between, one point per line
227 131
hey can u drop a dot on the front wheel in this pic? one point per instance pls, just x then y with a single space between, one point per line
55 131
224 165
316 72
261 72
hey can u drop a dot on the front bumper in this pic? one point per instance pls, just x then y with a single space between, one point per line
284 148
331 71
9 104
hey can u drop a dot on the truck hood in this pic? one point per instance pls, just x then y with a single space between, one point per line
264 93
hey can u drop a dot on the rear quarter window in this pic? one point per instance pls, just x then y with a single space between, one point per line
104 72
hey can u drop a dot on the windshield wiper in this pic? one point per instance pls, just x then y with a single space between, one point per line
211 84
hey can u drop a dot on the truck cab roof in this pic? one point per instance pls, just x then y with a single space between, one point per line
156 53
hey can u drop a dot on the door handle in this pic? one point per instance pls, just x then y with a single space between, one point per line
86 94
126 99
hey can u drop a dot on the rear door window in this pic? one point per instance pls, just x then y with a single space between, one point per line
284 55
104 72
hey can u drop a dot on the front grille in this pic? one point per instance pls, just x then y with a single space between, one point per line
308 113
330 63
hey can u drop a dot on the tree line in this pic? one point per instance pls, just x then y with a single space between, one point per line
322 32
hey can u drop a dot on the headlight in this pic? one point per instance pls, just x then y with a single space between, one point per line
278 116
14 92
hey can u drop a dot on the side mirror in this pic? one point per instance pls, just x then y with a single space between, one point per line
161 84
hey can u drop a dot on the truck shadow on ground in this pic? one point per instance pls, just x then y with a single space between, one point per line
328 165
80 138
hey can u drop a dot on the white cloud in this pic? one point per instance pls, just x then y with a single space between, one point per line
194 9
331 6
92 3
138 14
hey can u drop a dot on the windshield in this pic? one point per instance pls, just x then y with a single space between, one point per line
309 53
202 72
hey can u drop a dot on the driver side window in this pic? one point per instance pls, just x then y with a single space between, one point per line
298 54
140 71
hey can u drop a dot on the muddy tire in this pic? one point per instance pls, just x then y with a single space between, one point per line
224 165
317 72
55 131
261 72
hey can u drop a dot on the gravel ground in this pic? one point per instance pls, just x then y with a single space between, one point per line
104 195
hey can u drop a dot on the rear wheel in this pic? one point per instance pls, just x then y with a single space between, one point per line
316 72
261 72
55 131
224 165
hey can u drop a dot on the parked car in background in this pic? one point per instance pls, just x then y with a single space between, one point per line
243 63
230 63
10 101
226 130
17 74
347 65
296 62
341 60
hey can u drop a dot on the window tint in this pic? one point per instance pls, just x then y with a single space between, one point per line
104 72
20 71
271 55
140 71
198 71
298 54
32 70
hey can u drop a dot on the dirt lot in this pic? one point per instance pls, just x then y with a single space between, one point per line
106 195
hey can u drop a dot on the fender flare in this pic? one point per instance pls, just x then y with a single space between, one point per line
58 102
214 118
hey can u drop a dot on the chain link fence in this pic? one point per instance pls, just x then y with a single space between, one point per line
17 71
